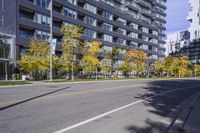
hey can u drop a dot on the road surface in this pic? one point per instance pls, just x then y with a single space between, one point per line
132 106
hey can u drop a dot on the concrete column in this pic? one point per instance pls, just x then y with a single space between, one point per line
6 70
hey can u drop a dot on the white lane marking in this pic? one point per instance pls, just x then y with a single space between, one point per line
115 110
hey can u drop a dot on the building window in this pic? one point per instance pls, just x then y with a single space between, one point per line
133 35
43 3
134 26
66 23
146 30
155 33
155 41
5 49
24 33
154 57
122 31
89 20
108 15
143 46
72 2
108 38
160 52
106 48
154 49
70 13
90 33
43 19
26 15
134 44
108 27
42 35
145 38
121 41
90 8
121 21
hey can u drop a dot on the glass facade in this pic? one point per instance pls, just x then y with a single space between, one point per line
7 57
4 50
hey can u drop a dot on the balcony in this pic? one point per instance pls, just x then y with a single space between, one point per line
147 12
26 13
144 3
132 6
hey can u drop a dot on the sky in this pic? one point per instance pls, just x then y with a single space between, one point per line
177 12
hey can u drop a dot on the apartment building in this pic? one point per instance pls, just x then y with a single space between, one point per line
194 19
176 41
124 24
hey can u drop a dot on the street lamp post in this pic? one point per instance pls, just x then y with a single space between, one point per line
51 39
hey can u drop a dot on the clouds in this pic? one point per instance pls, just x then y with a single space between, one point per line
177 11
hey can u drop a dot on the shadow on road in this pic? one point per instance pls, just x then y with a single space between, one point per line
163 105
33 98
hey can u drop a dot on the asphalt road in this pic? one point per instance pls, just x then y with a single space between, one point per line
135 106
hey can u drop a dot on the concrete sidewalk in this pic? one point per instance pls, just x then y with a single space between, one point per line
189 119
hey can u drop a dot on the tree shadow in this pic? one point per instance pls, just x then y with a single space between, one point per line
32 98
163 105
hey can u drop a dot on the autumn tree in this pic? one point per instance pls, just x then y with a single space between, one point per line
159 67
181 66
106 66
90 61
169 65
138 57
37 58
126 67
71 45
197 69
113 56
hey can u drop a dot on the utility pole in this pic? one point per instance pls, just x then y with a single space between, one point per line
51 39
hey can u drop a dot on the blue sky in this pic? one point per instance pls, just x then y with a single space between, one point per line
177 11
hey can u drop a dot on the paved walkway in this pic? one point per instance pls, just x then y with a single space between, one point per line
189 119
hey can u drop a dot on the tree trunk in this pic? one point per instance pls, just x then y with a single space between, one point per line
96 74
72 78
167 74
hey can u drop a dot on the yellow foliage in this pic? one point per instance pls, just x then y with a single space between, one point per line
138 57
197 69
159 66
95 47
90 63
39 48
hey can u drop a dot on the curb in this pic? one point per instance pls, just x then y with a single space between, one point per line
181 121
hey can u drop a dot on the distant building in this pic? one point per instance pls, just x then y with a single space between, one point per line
176 41
194 18
192 51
